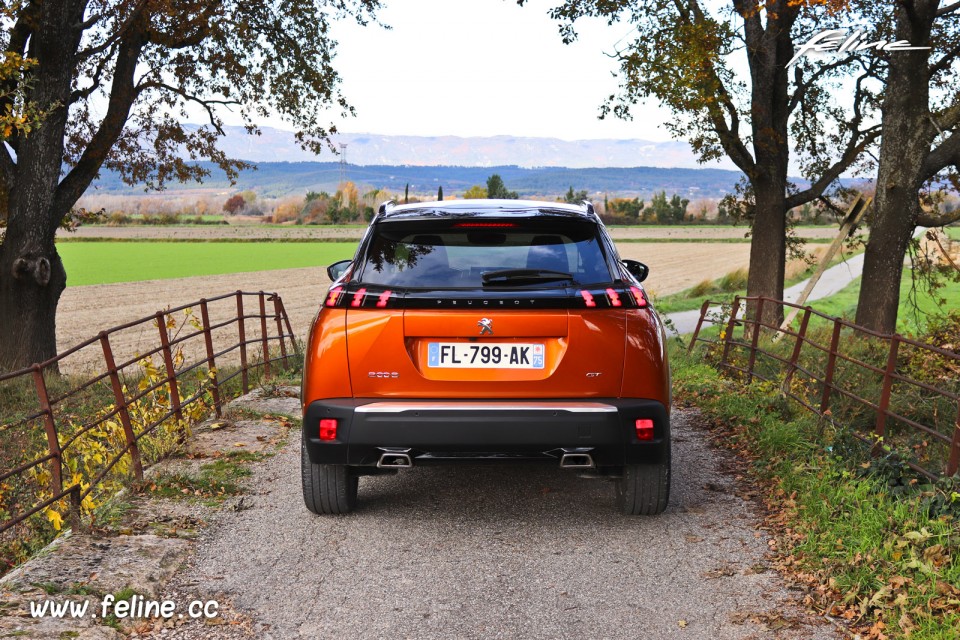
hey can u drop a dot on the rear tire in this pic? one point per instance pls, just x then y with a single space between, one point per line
327 488
644 489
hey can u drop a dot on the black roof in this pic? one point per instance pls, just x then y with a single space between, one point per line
483 208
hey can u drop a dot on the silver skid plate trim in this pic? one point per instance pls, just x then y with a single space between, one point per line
566 407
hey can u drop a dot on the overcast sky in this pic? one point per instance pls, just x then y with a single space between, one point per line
482 68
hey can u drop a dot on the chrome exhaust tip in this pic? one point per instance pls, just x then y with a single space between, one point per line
394 460
576 461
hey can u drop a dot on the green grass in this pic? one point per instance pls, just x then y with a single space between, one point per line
910 320
872 547
953 232
722 288
104 262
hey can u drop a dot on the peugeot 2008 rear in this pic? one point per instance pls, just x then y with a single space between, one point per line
486 330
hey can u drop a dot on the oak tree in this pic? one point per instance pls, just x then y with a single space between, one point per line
920 150
722 70
112 81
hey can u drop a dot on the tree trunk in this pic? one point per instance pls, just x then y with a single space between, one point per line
32 276
905 145
30 286
768 249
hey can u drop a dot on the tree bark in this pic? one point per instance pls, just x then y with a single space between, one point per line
905 145
32 276
768 249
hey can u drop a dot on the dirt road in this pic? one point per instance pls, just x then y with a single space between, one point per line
498 552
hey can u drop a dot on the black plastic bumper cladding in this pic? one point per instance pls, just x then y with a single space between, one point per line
484 429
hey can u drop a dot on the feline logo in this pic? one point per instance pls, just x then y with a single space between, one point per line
836 40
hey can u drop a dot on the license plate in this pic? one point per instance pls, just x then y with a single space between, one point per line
485 355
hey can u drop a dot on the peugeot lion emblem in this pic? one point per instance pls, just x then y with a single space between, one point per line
486 326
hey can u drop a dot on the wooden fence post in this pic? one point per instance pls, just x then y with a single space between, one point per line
121 406
211 362
881 426
263 337
168 366
831 367
243 342
50 426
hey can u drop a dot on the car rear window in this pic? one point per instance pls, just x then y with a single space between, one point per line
456 254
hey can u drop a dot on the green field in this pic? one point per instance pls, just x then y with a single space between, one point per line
103 262
953 232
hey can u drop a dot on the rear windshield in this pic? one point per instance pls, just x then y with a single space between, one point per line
434 254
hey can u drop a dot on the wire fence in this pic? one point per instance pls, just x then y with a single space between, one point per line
66 437
899 395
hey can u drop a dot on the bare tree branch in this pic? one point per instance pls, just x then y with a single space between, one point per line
950 8
859 140
926 219
946 154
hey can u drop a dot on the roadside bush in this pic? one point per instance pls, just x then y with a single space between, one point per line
734 281
117 218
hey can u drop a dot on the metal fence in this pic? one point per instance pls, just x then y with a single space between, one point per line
895 393
235 332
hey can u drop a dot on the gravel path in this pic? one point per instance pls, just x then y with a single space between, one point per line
496 552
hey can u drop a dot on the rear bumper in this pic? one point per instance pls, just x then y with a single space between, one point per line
445 431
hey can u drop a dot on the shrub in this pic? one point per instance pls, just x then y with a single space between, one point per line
734 281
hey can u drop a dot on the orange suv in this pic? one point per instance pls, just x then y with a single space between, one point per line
486 330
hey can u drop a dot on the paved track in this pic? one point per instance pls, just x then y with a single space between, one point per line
498 552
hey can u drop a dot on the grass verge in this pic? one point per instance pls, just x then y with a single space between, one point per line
734 283
877 548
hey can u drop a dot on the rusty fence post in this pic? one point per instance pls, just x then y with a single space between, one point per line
881 427
50 426
795 356
283 343
121 406
831 367
168 365
954 463
211 362
243 342
730 324
263 337
286 320
757 324
696 332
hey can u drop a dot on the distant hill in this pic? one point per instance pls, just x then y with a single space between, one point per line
273 179
278 145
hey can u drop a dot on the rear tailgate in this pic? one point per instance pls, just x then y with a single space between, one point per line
501 345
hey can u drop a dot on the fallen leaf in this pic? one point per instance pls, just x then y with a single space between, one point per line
682 623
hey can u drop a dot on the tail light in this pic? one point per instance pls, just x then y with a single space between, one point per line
644 428
639 298
333 297
362 298
328 429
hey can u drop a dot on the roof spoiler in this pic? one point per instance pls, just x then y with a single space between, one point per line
588 206
384 207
